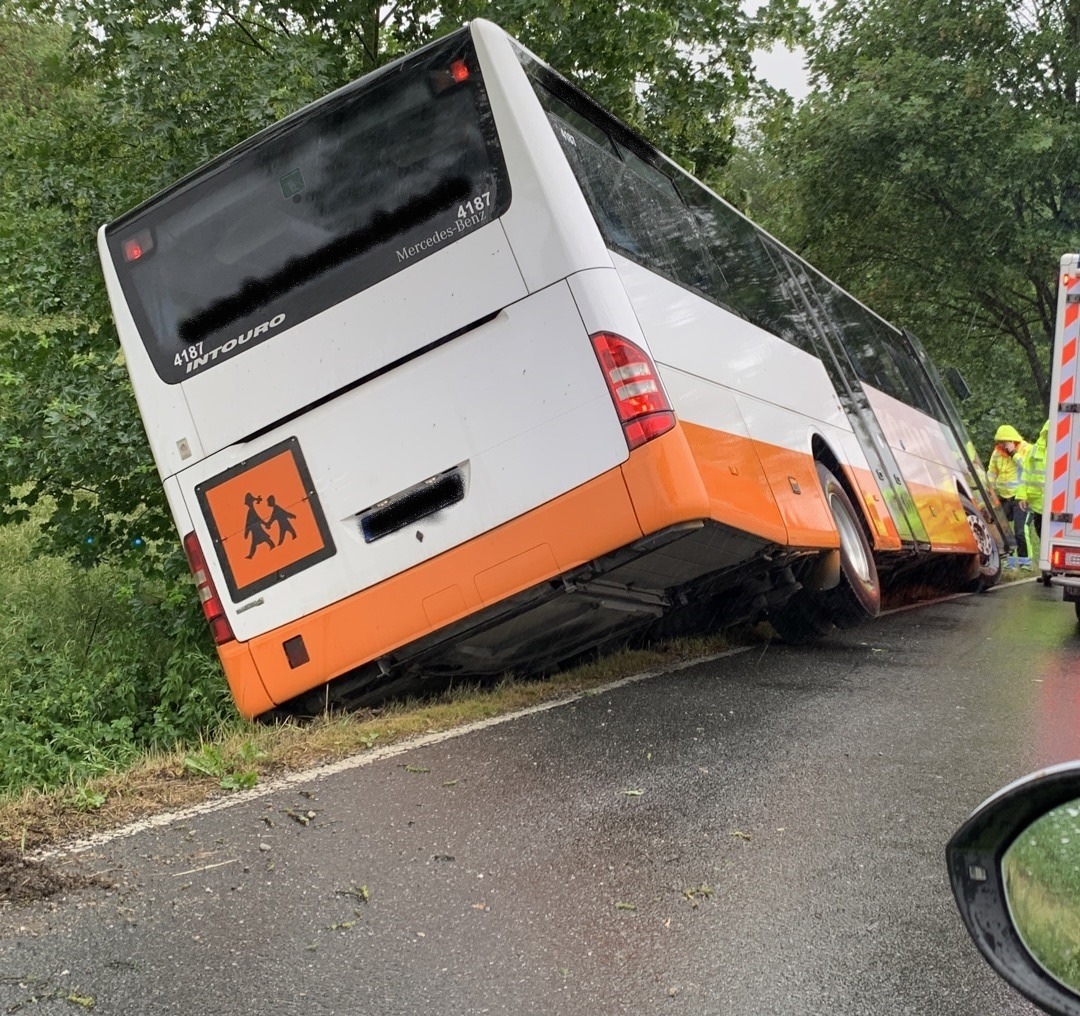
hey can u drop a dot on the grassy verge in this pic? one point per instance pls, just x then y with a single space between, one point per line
241 754
112 706
96 667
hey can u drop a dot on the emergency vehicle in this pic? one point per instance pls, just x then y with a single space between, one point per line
1059 554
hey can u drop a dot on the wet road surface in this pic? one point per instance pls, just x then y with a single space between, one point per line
763 833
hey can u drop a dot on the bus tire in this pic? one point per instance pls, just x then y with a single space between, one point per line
986 564
1076 607
858 595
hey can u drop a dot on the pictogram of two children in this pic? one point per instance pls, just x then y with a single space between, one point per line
258 529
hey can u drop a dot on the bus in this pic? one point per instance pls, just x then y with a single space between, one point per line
452 373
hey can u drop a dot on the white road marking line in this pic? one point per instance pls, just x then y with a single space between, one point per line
355 761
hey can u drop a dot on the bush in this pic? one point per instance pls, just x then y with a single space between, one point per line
97 666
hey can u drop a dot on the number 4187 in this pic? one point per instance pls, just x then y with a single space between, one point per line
478 204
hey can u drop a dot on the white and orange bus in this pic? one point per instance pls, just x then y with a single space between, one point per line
452 373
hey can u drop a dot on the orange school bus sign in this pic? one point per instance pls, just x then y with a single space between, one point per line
265 519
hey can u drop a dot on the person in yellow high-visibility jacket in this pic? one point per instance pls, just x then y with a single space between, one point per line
1004 473
1029 494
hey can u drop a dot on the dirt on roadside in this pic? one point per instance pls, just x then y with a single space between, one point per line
23 880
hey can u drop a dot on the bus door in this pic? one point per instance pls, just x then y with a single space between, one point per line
865 424
980 486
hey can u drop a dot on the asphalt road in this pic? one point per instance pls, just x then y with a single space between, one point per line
763 833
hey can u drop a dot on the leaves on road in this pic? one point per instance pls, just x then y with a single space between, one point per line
360 893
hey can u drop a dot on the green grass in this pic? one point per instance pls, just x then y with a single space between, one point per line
96 667
113 705
237 754
1042 883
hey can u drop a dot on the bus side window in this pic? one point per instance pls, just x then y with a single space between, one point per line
756 285
638 209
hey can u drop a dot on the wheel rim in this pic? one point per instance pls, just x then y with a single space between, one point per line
988 550
850 541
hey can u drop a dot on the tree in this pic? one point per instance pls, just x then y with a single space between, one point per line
935 171
131 95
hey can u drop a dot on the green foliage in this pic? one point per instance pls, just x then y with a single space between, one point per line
1042 883
104 102
934 172
86 799
210 760
96 667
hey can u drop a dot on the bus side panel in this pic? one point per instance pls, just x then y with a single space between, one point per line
545 189
923 453
665 482
747 400
792 475
694 335
738 492
575 528
727 464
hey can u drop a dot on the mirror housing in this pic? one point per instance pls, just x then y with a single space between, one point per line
974 856
957 383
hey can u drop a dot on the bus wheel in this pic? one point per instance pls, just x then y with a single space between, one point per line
858 596
1076 607
986 565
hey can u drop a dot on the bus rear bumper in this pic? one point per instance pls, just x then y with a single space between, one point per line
571 574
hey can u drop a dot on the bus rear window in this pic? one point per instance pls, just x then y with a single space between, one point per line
334 199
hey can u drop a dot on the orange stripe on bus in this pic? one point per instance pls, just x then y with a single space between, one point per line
576 527
943 518
665 483
739 494
248 689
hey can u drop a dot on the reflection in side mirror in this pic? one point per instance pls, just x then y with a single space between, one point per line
1042 888
1015 872
957 384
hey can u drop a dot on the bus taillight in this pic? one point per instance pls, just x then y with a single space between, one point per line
635 387
212 607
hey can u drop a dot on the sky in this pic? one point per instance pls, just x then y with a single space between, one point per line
783 68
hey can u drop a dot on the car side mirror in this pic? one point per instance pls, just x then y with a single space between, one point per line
1015 872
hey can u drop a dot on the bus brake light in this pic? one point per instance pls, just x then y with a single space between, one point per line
632 380
447 77
138 246
1065 558
212 606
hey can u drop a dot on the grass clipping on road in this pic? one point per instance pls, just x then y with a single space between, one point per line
244 754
